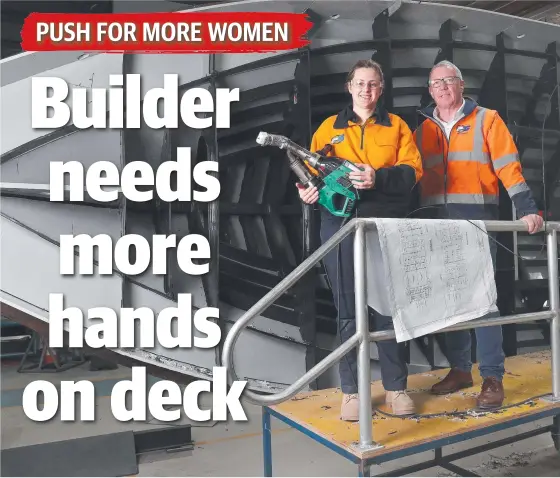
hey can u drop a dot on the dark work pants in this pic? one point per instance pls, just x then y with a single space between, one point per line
392 356
490 354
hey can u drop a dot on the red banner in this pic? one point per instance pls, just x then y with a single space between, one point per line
178 32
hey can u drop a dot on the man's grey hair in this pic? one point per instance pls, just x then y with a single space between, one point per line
447 64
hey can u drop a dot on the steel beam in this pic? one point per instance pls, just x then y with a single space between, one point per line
300 119
495 96
445 45
382 55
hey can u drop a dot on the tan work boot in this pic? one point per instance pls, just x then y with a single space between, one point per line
350 409
400 402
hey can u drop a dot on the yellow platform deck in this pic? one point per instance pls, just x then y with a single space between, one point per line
526 376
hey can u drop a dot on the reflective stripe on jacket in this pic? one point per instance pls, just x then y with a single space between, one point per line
466 169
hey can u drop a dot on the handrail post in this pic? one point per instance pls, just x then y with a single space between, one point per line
552 258
362 328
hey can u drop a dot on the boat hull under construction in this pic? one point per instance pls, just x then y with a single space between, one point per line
258 231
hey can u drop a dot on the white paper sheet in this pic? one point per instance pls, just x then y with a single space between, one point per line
429 274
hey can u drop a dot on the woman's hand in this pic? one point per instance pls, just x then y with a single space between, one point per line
364 179
308 195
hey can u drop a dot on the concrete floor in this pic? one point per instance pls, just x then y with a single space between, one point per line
235 449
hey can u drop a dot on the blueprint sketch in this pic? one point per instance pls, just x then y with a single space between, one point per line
429 274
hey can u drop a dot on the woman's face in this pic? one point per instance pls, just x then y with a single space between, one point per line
365 87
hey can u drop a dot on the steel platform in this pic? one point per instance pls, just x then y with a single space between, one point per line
316 414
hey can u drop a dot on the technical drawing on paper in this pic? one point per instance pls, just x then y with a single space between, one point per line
415 255
454 275
435 273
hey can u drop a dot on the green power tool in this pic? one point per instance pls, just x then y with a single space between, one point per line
336 192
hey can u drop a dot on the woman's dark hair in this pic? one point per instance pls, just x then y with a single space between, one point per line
365 64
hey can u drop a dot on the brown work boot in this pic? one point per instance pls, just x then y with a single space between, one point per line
400 403
492 394
455 380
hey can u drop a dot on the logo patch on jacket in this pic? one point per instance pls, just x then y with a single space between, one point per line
337 139
463 128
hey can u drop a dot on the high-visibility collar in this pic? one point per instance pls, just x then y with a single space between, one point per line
476 153
468 108
448 125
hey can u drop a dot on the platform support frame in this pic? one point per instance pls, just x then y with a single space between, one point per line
441 460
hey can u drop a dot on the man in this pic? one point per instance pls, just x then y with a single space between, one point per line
465 150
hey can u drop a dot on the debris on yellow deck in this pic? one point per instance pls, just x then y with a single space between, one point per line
526 376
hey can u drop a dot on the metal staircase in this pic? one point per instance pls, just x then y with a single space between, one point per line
534 121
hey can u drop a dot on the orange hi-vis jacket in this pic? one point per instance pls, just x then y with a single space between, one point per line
462 173
384 142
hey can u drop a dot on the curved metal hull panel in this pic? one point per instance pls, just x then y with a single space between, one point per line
29 268
30 170
509 64
92 71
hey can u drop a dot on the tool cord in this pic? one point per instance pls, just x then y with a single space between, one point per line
464 414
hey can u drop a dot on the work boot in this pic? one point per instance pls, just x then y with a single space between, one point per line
400 402
455 380
492 394
350 409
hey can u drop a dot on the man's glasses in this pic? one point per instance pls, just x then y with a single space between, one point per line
361 84
450 80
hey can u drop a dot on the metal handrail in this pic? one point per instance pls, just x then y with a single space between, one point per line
266 301
362 337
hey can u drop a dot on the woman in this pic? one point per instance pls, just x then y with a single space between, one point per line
382 144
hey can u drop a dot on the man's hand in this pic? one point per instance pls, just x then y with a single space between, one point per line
308 195
534 221
364 179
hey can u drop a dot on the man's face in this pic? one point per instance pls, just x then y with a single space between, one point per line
365 87
446 87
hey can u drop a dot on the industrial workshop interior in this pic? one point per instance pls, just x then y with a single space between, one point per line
402 320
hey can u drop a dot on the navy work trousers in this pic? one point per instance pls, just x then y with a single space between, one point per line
339 263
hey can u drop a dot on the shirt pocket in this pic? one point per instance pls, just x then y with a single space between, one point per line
383 148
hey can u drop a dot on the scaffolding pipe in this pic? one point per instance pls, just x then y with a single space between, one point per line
362 329
552 259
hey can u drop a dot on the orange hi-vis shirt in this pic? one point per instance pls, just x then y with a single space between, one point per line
465 169
384 142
